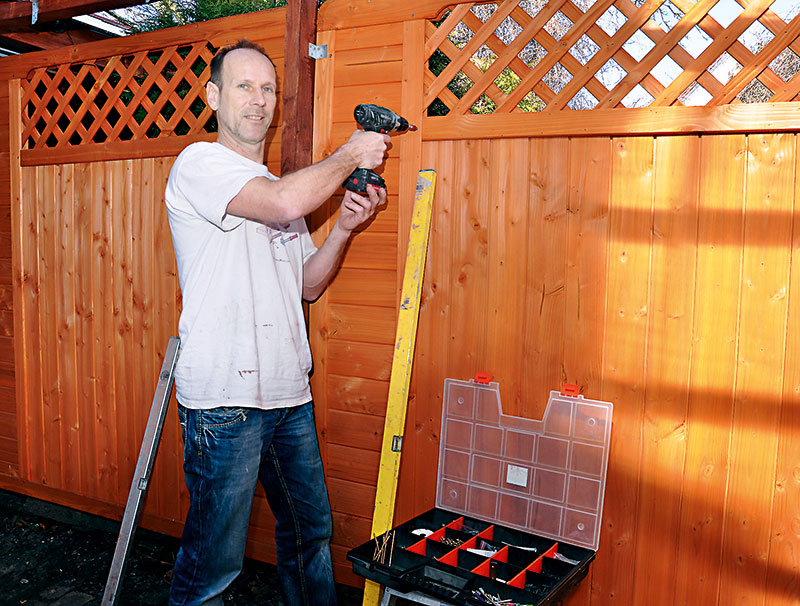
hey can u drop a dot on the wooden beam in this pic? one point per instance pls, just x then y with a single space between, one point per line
360 13
51 40
16 16
218 32
297 126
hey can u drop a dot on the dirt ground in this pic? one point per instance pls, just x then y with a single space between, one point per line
56 556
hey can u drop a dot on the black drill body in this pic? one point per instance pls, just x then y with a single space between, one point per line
376 119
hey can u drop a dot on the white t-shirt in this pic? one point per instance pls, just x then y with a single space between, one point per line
243 335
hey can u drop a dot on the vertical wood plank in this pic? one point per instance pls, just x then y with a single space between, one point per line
143 373
544 313
409 143
48 263
86 376
630 224
783 562
434 343
410 149
762 330
104 312
320 223
18 274
508 260
127 426
677 160
64 346
468 257
585 283
585 277
713 368
167 474
27 329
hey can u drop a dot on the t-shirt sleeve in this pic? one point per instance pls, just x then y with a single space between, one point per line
208 179
306 243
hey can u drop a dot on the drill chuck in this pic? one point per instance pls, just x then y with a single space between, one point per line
380 120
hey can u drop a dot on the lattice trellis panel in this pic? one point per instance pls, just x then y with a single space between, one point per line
540 55
145 95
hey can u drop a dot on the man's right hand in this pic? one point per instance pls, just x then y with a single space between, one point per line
367 148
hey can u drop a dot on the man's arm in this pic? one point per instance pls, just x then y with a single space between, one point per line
299 193
320 267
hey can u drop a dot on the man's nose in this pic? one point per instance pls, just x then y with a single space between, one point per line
259 98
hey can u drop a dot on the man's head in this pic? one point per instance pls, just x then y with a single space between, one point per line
242 90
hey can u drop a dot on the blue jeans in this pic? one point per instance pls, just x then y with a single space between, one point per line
226 451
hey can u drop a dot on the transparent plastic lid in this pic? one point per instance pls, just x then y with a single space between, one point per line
546 477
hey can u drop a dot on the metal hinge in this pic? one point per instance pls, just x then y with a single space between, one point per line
317 51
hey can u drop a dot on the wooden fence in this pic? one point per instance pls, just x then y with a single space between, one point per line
641 247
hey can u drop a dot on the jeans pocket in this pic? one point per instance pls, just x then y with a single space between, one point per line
219 418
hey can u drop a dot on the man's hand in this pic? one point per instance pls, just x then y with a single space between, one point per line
367 148
356 209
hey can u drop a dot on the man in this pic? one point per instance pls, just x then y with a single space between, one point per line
245 261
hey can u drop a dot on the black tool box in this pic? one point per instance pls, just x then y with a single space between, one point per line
518 504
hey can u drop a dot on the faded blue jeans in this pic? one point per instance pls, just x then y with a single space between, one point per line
226 451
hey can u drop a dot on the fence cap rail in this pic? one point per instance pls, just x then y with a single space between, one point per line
735 118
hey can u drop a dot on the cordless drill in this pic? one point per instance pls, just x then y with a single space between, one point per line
376 119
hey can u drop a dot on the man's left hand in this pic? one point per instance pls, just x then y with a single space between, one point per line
356 208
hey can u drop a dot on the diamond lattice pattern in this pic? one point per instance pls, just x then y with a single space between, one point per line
145 95
540 55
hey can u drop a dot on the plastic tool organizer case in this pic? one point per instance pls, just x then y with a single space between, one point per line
518 504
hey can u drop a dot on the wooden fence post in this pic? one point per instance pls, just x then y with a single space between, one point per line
298 86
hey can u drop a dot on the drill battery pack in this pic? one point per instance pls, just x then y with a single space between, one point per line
358 181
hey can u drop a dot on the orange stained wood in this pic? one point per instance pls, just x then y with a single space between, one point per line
623 371
646 255
713 365
84 333
663 430
782 556
768 204
541 339
585 273
509 244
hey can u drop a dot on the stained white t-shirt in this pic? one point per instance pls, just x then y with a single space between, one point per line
242 330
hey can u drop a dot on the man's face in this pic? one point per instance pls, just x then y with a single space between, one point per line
246 100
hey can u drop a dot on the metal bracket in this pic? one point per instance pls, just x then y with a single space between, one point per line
317 51
397 443
34 11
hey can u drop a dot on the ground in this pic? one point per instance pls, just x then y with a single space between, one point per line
56 556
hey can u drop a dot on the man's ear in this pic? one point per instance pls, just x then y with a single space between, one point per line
212 95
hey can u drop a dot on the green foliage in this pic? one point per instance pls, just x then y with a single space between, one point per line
506 81
169 13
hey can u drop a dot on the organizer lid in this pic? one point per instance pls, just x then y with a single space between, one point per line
546 477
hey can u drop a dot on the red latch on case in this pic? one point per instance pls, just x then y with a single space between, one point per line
568 389
483 377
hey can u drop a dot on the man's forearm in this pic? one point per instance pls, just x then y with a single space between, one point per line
298 194
295 195
320 268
